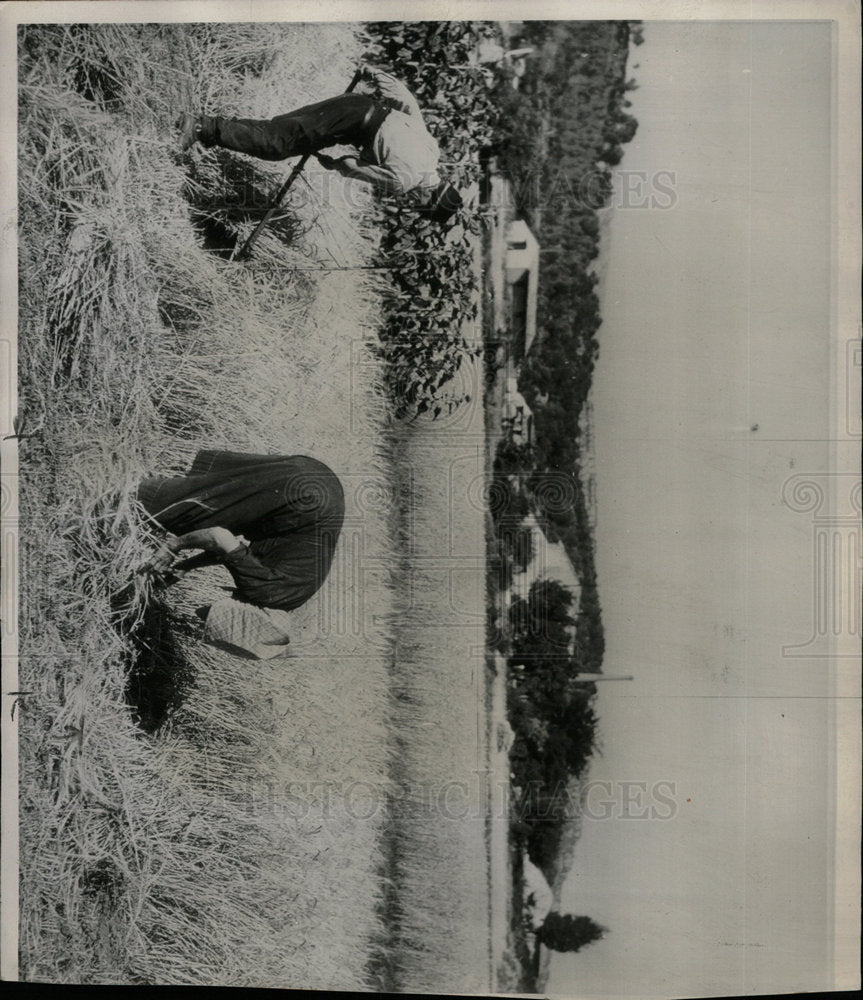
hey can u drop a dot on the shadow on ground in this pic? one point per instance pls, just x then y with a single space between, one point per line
159 675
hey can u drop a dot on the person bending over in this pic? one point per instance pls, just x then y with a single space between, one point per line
395 152
272 521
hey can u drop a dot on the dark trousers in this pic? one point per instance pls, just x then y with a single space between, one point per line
348 119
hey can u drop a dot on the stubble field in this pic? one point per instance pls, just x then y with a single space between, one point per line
187 816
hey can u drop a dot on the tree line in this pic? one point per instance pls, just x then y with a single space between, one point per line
559 135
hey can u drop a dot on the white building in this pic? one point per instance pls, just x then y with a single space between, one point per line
522 278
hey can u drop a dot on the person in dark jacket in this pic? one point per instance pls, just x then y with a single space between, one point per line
396 154
272 521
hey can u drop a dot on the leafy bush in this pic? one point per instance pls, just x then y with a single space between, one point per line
541 622
515 549
567 932
513 457
433 294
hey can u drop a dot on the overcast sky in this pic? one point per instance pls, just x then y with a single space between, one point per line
716 319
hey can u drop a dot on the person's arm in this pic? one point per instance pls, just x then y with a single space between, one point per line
183 566
216 543
392 88
381 178
198 561
264 583
276 574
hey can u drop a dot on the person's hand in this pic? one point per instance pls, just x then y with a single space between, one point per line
163 558
327 162
171 577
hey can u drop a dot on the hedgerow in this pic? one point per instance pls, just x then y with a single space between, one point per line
431 302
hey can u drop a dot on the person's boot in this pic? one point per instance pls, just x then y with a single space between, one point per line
190 128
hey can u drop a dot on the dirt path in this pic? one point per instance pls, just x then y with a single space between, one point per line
500 874
497 762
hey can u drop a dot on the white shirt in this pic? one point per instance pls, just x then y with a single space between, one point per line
403 148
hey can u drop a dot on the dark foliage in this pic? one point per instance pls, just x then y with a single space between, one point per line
559 135
431 302
567 932
550 712
159 676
